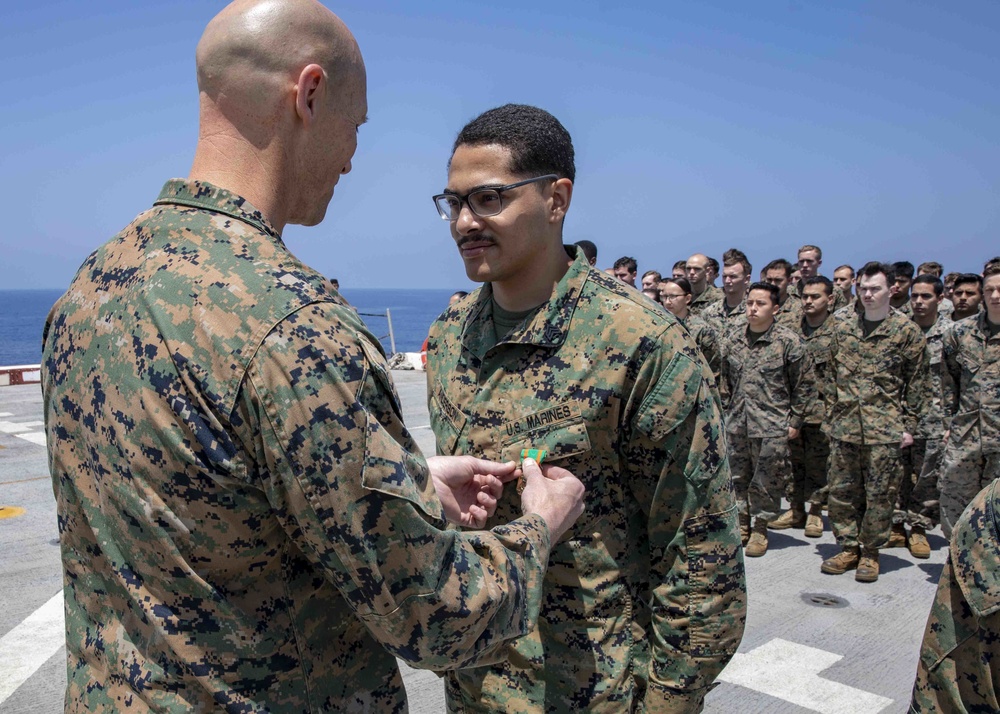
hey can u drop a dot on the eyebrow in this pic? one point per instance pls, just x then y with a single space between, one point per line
473 189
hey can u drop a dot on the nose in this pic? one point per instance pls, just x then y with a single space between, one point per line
347 168
467 221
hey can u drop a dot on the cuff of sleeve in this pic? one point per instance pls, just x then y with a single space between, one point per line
529 536
664 700
910 427
796 423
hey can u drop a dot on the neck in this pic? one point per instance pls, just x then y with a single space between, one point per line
993 315
733 301
927 320
696 291
682 314
229 162
818 319
533 286
962 314
877 314
758 328
899 300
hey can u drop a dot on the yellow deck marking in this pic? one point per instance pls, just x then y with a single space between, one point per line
10 511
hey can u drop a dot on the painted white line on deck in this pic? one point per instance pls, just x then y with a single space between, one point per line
789 671
27 647
35 437
5 414
423 426
9 427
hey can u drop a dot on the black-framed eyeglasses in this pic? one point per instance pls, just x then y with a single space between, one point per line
484 202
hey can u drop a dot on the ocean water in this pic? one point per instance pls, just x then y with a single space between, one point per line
23 312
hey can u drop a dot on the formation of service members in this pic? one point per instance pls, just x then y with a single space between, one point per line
874 396
901 427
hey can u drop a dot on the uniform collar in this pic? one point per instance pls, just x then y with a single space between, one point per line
765 337
548 327
201 194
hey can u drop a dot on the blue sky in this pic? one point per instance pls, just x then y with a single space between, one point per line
869 129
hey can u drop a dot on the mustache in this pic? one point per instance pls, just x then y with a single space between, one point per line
476 238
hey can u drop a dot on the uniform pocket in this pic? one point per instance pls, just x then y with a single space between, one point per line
447 420
717 604
561 439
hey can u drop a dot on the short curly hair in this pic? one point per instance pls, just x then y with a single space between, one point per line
538 143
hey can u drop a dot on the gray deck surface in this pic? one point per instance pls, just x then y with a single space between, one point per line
795 656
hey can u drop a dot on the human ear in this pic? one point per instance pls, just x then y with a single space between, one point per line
309 91
562 194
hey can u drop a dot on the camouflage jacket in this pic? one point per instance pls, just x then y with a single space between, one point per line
961 645
246 523
707 339
717 315
704 301
789 312
767 385
905 309
881 382
932 425
645 597
817 345
971 382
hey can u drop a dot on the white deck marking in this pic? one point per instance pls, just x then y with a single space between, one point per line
27 647
5 414
789 671
35 437
9 427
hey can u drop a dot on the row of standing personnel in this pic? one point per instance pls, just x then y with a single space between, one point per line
886 408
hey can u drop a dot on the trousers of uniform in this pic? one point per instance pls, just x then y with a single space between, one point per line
965 471
809 455
919 502
864 480
760 467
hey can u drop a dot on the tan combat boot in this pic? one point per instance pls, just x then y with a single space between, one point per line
814 521
757 545
745 528
897 536
845 560
794 517
919 547
868 567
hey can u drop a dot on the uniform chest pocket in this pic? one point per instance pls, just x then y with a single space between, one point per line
561 439
447 421
849 361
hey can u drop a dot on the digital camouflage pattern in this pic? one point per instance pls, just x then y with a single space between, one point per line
789 312
645 597
961 646
864 481
918 491
767 386
761 469
810 452
880 382
880 390
702 302
971 385
720 318
707 339
919 500
246 524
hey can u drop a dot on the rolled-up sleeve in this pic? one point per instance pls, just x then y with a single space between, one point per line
354 493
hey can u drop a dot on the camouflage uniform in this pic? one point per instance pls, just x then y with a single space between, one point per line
644 598
881 384
918 491
904 309
955 672
246 524
768 386
719 317
707 339
971 386
789 312
811 451
701 303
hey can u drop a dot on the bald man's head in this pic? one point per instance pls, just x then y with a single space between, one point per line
696 274
283 87
254 45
